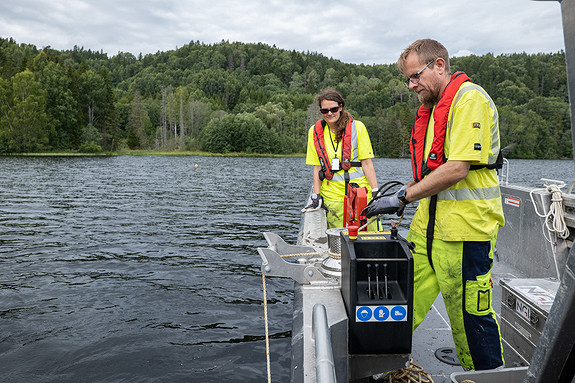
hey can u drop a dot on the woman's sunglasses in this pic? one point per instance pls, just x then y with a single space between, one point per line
334 110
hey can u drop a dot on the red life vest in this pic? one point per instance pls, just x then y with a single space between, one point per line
418 133
324 160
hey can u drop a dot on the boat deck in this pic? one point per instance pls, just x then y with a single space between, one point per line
435 332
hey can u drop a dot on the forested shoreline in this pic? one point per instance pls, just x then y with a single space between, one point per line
250 98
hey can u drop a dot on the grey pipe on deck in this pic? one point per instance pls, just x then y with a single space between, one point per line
325 368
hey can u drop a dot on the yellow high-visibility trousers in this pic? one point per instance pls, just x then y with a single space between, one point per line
461 271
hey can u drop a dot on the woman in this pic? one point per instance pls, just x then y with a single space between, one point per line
342 144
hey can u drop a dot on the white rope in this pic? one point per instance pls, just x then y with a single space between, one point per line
556 214
267 331
554 219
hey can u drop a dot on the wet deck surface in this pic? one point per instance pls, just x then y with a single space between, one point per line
435 332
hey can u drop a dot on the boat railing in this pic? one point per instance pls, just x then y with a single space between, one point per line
504 172
325 367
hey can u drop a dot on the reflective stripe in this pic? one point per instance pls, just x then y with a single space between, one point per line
494 125
469 194
353 142
352 175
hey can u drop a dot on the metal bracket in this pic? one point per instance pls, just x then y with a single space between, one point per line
277 244
302 271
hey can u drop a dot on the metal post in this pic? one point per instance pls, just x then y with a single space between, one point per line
554 357
325 368
568 14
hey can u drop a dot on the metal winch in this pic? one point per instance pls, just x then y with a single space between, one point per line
331 265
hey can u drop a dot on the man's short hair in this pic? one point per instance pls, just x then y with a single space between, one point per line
427 50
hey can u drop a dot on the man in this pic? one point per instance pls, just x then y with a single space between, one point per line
455 151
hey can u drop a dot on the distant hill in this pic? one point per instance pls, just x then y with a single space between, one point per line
253 98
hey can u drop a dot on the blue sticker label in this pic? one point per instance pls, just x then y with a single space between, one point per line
381 313
363 314
388 313
399 313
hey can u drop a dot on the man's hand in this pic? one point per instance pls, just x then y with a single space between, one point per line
384 205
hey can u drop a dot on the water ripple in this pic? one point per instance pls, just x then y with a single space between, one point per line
146 269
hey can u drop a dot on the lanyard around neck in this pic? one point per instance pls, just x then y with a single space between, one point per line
335 147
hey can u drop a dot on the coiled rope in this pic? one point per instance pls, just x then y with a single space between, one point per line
412 373
554 219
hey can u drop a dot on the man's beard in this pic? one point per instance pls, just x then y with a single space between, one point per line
430 97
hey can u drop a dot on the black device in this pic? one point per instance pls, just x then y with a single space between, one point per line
377 289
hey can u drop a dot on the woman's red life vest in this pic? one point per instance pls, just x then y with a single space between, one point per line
324 160
418 133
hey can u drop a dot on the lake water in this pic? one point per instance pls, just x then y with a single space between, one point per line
145 269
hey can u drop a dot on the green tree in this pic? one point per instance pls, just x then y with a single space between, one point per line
199 114
61 106
25 115
92 97
138 124
236 133
390 130
519 133
272 115
6 128
91 139
512 93
97 102
109 125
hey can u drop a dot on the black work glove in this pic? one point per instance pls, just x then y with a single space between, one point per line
315 204
384 205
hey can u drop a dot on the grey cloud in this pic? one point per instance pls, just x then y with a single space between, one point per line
356 31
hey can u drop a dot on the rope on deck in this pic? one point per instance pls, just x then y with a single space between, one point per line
410 374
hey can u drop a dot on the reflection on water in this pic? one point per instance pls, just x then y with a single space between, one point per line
146 269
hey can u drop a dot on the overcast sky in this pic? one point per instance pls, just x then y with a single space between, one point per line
353 31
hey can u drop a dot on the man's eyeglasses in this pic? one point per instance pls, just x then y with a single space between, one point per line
334 110
414 79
